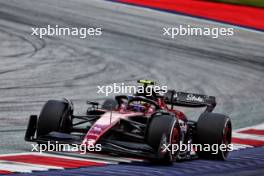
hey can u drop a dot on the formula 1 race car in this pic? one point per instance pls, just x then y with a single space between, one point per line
136 125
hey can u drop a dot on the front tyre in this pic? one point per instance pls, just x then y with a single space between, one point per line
163 130
55 116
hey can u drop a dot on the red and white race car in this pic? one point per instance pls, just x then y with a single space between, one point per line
136 125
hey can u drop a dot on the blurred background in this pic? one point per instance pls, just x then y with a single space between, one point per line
132 47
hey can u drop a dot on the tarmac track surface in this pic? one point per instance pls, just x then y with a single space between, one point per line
33 70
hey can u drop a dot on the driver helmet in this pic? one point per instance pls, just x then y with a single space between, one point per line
138 107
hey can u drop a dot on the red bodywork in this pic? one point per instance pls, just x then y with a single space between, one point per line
111 118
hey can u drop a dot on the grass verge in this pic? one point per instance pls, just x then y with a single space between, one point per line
254 3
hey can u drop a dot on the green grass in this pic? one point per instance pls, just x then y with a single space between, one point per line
255 3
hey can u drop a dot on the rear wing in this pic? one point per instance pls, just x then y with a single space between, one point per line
190 100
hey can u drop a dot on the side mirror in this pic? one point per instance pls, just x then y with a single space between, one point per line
93 103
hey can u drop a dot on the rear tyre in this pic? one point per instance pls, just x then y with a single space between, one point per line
55 116
163 130
214 129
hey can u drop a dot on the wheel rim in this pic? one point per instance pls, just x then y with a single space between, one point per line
175 139
226 139
175 136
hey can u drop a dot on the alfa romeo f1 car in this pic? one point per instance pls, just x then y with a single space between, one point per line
136 125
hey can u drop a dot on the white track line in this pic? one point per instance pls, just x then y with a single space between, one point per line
23 167
255 127
241 146
100 157
248 136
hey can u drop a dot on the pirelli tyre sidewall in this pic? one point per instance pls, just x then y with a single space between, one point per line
212 129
